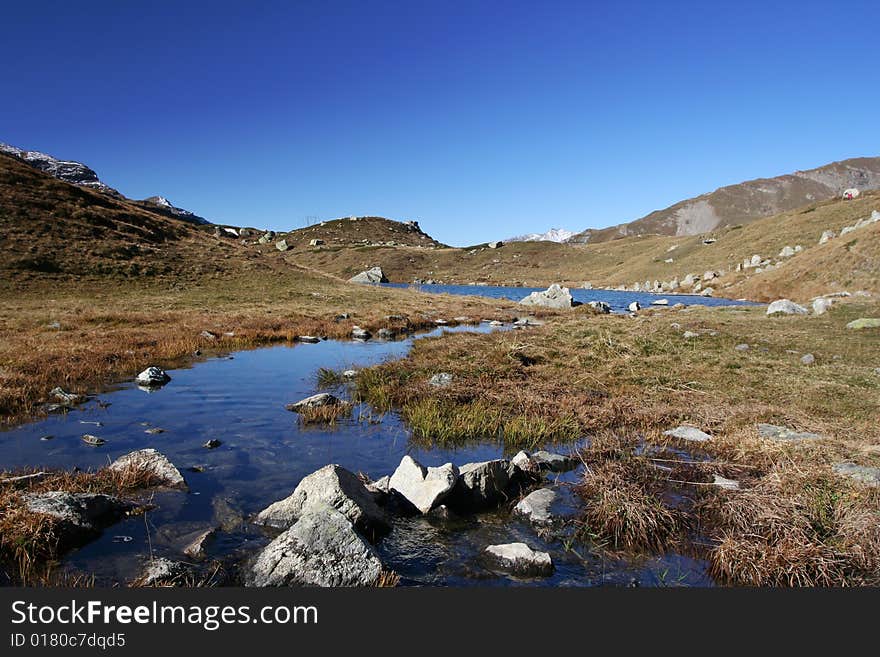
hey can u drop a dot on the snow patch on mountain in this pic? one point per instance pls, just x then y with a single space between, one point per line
552 235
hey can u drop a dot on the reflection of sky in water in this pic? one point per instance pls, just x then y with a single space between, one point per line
264 454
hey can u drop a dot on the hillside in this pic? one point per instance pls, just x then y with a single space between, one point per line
629 260
361 231
748 201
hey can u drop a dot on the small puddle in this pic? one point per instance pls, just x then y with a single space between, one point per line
239 399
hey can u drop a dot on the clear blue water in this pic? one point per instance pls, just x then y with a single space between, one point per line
619 301
239 399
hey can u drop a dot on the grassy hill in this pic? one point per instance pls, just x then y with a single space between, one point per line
748 201
631 259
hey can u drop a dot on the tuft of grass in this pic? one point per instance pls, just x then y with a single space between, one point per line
328 378
328 414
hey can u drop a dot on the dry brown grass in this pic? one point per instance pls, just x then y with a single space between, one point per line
29 542
327 414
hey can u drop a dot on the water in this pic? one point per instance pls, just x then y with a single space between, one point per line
239 399
619 301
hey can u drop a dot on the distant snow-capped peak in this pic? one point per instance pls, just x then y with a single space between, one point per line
552 235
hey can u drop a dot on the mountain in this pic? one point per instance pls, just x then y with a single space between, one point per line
552 235
78 173
362 232
747 201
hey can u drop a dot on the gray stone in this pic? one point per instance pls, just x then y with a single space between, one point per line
309 339
688 433
600 306
481 485
360 334
726 484
441 379
554 462
152 377
660 302
520 559
827 235
66 398
785 307
321 399
537 506
861 473
554 296
742 347
863 323
321 549
808 359
81 516
688 335
162 572
197 548
775 432
373 275
821 305
333 485
316 242
423 487
634 307
152 461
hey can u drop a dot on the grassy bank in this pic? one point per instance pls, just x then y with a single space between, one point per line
620 382
83 336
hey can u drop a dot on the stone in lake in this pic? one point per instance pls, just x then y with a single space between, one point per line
213 443
321 549
359 334
785 307
152 377
634 307
163 572
862 474
66 398
688 433
600 306
520 559
373 275
80 516
660 302
309 339
333 485
554 296
536 506
775 432
321 399
423 487
197 548
481 485
153 462
554 462
864 323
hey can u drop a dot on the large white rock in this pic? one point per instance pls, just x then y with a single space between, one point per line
152 377
786 252
423 487
333 485
373 275
537 506
152 461
821 305
520 559
785 307
321 399
321 549
826 236
482 484
554 296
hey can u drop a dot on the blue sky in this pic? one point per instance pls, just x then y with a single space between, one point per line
481 120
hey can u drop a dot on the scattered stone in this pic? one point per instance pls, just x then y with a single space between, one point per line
785 307
320 549
213 443
152 377
726 484
282 245
808 359
333 485
634 307
536 506
371 276
495 245
864 323
742 347
316 242
692 434
93 441
520 559
481 485
349 374
691 334
441 379
495 322
423 487
309 339
554 462
775 432
152 461
385 334
600 306
81 516
821 305
860 473
66 398
155 431
162 572
786 252
197 548
554 296
360 334
207 335
660 302
826 236
321 399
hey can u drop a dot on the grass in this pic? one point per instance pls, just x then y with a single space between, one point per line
622 381
327 414
30 542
